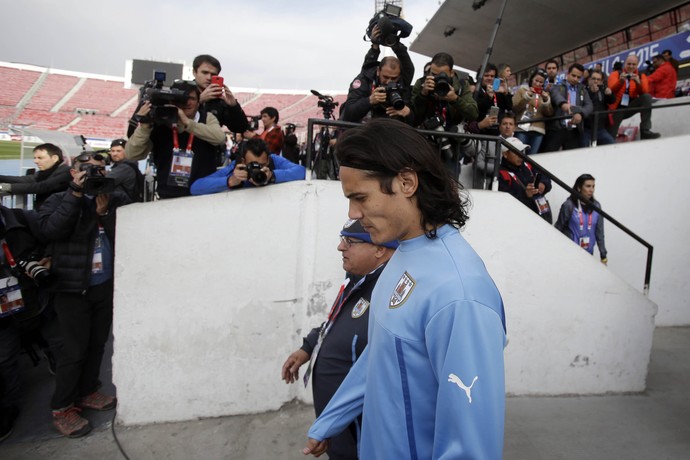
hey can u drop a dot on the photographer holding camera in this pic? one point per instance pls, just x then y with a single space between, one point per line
601 97
254 168
382 89
184 149
632 91
80 229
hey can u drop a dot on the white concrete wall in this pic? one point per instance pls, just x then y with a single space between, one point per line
644 186
212 294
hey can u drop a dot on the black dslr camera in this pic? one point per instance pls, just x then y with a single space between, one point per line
35 271
255 173
392 27
163 99
394 95
442 84
95 182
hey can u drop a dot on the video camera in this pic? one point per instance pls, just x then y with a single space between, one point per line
95 182
163 99
391 25
326 103
253 123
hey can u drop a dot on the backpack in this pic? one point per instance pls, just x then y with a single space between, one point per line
139 183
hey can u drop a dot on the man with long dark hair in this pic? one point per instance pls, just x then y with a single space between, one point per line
430 383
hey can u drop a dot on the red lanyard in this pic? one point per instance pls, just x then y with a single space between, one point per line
176 140
582 221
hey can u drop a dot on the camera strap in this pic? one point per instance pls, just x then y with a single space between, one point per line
181 165
11 300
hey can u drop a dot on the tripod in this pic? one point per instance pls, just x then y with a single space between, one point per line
324 165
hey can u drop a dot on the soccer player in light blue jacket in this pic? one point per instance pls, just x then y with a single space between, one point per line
431 382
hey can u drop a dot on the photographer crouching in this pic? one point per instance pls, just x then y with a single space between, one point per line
79 225
182 137
255 167
382 89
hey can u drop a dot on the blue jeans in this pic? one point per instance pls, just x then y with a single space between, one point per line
531 138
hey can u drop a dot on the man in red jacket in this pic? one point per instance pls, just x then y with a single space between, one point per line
662 82
632 91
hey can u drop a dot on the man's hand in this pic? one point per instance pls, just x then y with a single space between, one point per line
182 119
239 175
78 179
212 91
102 204
577 119
375 36
541 187
451 96
316 448
144 111
290 371
228 97
531 191
488 122
378 96
404 112
429 85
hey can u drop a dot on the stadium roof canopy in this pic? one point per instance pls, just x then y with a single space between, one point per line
531 31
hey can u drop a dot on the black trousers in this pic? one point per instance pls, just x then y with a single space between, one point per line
85 321
644 103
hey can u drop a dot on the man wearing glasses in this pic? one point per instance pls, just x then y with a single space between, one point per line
340 340
182 152
80 229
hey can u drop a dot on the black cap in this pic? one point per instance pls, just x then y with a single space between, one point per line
118 142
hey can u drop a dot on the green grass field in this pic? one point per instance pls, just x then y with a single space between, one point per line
10 150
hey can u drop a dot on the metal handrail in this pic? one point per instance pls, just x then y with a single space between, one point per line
497 160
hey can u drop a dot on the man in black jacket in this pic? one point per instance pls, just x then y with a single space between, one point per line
81 234
340 340
368 96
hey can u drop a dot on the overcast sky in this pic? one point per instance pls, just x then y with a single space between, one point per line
272 44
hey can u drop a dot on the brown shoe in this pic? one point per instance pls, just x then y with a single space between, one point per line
69 423
97 401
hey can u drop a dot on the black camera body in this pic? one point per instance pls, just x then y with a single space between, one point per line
255 173
391 25
442 84
95 183
394 95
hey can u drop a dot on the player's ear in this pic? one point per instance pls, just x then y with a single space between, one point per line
409 181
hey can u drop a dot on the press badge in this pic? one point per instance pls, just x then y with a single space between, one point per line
584 242
626 100
11 300
542 205
97 261
181 168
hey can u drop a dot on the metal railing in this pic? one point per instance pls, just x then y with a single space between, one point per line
499 141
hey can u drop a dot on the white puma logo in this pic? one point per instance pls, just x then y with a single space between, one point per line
468 389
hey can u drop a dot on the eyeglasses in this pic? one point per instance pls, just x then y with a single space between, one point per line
84 157
349 241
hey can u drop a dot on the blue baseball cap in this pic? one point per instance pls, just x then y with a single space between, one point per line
354 229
